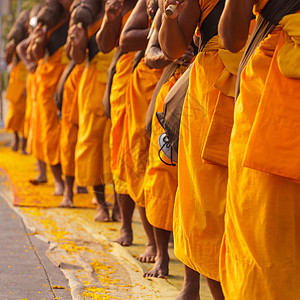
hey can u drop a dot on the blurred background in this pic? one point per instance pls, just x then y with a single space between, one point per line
9 10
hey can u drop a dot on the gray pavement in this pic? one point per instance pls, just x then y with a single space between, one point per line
25 270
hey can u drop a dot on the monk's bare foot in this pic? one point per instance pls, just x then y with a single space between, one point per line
59 189
116 215
125 238
188 293
67 202
14 146
38 180
149 255
102 214
160 268
81 190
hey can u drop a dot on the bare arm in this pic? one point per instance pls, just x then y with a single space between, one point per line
108 35
135 32
76 44
177 30
9 51
154 57
234 23
21 51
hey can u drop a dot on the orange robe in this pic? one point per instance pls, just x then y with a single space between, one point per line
92 153
118 111
160 179
261 248
68 135
200 200
135 145
47 125
15 94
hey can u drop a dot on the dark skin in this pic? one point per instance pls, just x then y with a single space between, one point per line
234 24
108 35
154 58
135 33
175 36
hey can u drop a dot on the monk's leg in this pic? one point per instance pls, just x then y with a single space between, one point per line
116 215
126 205
215 289
24 145
80 189
67 200
191 285
15 142
150 253
58 182
42 176
161 266
102 209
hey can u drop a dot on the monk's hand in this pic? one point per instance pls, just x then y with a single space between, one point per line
173 8
9 51
37 46
113 9
77 35
186 58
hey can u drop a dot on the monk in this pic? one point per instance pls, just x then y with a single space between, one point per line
15 93
49 35
160 179
260 250
116 15
202 161
92 154
135 144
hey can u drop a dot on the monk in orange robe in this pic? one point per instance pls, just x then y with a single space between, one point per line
116 15
202 165
260 252
135 145
92 154
15 93
51 36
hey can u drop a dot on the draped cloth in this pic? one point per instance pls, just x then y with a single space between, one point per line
15 94
160 179
261 247
135 145
69 130
46 134
202 162
92 153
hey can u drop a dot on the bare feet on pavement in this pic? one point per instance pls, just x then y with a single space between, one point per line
149 255
67 202
125 238
160 268
116 215
102 213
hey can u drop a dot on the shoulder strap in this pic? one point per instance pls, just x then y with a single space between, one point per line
209 27
58 38
268 19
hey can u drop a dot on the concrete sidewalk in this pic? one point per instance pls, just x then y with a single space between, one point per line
25 271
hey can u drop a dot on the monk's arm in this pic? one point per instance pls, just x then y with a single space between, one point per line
21 51
76 44
9 51
108 35
177 30
135 32
154 57
234 23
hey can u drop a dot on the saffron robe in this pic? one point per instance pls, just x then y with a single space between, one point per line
15 94
261 248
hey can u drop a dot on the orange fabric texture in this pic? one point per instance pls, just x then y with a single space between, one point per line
118 112
47 124
260 252
135 146
15 94
200 200
68 135
160 179
92 154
